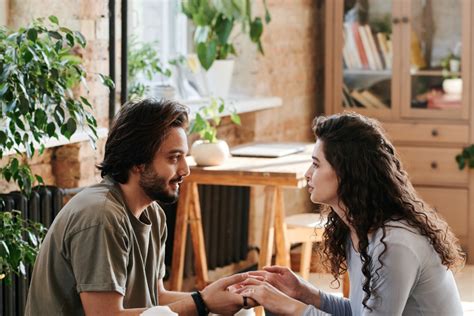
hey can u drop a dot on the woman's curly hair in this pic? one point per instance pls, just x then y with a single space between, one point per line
374 189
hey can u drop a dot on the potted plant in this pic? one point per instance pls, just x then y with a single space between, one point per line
144 63
209 150
39 68
466 158
214 21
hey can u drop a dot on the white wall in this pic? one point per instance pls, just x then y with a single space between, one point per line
3 12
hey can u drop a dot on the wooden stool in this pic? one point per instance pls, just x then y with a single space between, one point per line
308 228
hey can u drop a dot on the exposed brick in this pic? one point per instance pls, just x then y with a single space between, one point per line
102 29
88 29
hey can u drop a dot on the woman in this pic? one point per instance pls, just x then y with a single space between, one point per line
397 250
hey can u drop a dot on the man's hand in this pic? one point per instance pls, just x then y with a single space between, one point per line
220 300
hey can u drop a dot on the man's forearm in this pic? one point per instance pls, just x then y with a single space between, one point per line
169 297
185 306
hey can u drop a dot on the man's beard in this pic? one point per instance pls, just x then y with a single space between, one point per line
155 187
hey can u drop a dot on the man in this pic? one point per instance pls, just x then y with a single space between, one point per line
104 253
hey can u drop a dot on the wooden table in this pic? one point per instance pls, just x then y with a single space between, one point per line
272 173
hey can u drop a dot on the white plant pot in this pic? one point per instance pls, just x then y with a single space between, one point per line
219 77
210 154
452 86
163 92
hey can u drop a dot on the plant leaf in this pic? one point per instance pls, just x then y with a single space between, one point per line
207 53
256 30
53 19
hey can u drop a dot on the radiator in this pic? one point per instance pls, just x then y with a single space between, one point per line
42 206
225 211
225 218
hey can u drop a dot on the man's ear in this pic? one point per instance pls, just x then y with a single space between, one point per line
138 168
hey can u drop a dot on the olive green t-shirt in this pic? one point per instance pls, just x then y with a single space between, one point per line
96 244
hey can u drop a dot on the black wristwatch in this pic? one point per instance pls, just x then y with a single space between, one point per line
200 305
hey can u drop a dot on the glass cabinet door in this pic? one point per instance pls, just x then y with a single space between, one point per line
435 43
368 57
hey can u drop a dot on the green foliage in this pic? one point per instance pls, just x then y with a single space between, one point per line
466 157
39 67
20 240
208 118
214 21
143 60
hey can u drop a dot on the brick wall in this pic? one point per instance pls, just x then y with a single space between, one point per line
73 165
292 69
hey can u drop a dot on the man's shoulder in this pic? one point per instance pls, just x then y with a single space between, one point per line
95 205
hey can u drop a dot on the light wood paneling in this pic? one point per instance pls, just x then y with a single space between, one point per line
427 132
452 204
433 166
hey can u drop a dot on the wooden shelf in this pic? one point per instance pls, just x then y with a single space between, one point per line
435 73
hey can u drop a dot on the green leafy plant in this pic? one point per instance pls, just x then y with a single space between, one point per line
39 67
214 21
208 118
20 240
466 157
143 61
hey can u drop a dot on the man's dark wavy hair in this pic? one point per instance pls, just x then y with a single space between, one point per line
137 133
375 189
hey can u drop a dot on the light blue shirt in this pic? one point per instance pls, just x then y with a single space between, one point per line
412 280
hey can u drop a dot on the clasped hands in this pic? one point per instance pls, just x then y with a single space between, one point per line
276 288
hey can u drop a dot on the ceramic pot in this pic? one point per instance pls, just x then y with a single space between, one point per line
210 154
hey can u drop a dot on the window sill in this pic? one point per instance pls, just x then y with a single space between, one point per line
79 136
242 104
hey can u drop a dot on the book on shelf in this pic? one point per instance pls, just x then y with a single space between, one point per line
346 56
367 99
439 100
360 47
353 53
382 39
374 100
373 48
367 48
416 56
347 100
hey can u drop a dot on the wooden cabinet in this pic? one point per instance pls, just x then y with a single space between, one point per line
408 63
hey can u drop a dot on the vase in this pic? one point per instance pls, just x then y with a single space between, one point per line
210 154
219 77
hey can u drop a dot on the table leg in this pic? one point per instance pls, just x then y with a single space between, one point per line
179 244
266 245
195 221
281 238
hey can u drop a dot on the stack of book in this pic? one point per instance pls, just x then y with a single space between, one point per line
365 50
362 99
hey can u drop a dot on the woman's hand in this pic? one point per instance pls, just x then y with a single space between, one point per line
284 280
271 298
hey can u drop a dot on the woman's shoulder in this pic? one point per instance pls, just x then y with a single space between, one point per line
402 235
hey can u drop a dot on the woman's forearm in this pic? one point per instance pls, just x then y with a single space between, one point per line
310 295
